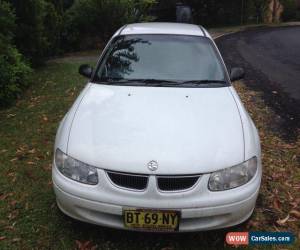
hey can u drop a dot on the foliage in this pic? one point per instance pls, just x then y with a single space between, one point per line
212 13
100 18
141 10
13 70
260 7
290 12
217 13
53 22
7 22
38 29
224 13
50 27
13 75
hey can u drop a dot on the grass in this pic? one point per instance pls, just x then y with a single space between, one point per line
30 219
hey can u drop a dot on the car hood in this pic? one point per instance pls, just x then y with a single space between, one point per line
185 130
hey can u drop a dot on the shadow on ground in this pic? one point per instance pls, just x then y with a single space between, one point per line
118 239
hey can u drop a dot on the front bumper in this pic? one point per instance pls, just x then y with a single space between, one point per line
200 208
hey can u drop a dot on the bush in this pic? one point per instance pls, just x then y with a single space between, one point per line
39 27
53 23
289 11
13 70
13 75
7 22
100 18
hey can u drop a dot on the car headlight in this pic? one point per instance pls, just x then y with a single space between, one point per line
74 169
233 177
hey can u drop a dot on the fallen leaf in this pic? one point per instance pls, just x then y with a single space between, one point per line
276 229
45 118
287 184
2 237
86 245
13 203
276 204
11 228
30 175
81 245
32 151
4 196
297 186
11 174
252 223
290 196
295 213
167 248
295 203
31 163
281 222
14 179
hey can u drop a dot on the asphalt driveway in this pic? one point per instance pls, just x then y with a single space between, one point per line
271 58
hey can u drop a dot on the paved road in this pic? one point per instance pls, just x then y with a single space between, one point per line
271 57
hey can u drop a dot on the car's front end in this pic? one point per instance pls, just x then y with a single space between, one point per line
115 161
199 207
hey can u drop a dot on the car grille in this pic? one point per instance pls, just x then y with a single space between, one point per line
130 181
176 183
164 183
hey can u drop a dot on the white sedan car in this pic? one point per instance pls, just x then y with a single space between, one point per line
158 140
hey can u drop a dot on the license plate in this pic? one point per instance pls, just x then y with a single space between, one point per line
152 220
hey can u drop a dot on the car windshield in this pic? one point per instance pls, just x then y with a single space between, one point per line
162 60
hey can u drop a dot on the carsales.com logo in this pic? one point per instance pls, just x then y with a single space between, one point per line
253 238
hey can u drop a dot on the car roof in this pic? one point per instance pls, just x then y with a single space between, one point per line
163 28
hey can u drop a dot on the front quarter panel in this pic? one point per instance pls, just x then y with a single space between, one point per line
62 135
251 136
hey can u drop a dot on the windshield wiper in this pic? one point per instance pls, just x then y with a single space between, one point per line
160 82
203 82
136 82
157 81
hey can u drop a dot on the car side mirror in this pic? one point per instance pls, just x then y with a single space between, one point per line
86 70
237 74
